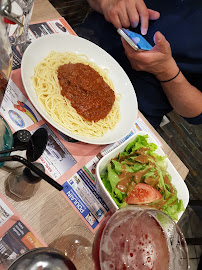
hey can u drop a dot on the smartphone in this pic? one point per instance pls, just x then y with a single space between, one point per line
136 41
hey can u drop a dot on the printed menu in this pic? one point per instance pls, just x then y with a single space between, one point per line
71 163
16 237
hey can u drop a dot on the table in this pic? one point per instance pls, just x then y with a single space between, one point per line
50 213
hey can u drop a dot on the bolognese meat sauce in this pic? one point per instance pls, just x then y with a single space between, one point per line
87 91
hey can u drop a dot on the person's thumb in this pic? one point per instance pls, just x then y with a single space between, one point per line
162 44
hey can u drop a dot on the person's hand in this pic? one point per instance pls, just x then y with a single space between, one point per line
158 60
125 13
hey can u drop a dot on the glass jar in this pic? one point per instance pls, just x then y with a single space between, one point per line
6 58
24 183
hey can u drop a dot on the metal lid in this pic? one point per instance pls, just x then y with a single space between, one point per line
42 259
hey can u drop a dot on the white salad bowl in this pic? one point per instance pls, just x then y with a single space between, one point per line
177 181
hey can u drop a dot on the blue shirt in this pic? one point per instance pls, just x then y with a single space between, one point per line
181 23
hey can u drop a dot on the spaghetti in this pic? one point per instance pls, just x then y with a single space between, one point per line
48 90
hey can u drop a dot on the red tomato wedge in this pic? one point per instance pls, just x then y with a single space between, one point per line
143 193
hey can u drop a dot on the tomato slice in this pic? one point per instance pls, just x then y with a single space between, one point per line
143 193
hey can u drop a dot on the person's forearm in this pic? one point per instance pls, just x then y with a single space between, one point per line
183 97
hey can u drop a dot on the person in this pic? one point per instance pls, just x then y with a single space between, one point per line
170 75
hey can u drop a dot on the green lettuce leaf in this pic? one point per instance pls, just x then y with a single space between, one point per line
174 209
111 177
117 166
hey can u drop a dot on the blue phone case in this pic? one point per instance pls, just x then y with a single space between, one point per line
139 40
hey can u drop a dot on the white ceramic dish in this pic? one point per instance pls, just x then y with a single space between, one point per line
177 181
69 43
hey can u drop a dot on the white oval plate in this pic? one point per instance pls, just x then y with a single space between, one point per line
69 43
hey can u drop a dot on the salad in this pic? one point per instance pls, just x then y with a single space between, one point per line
139 176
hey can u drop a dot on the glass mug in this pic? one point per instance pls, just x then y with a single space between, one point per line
133 237
140 238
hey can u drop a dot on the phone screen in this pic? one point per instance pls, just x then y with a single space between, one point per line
137 39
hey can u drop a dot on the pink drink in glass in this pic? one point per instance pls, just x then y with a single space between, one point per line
133 239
